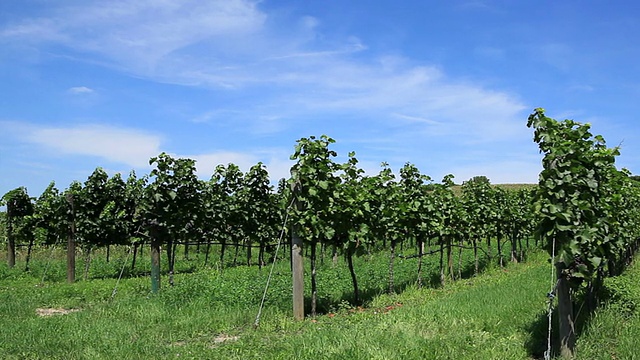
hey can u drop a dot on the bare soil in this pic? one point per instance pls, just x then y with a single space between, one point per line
54 311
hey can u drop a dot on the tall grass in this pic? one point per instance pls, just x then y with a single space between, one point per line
614 331
201 316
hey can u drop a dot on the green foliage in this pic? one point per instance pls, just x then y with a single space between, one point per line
415 208
336 206
171 199
51 215
256 197
261 220
19 214
352 208
18 203
314 184
230 181
479 200
134 196
383 198
579 194
449 209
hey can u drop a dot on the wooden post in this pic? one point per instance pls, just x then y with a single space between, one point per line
11 243
565 317
298 276
297 268
71 243
155 260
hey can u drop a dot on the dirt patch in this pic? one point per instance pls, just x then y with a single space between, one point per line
221 339
217 340
224 338
54 311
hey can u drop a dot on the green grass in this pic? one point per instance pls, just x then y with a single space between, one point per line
614 331
457 189
501 314
489 317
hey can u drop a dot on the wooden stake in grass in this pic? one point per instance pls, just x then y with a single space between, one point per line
298 276
565 317
11 245
155 260
71 243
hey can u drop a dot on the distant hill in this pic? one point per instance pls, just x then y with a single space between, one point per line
457 189
516 186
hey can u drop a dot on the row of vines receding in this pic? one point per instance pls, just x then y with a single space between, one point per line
584 211
336 208
588 214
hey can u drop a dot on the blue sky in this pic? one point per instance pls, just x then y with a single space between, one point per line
445 85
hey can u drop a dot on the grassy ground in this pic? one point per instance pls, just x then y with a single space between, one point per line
210 314
494 316
613 332
457 189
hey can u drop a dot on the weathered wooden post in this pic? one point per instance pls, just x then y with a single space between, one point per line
566 323
297 267
71 242
11 243
155 259
298 276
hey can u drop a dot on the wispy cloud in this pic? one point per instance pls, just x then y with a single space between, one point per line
237 47
415 119
277 165
383 90
80 90
138 35
120 145
134 148
206 163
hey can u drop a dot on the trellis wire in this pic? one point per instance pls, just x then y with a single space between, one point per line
551 296
115 288
273 264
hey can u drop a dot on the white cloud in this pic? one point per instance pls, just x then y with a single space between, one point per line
414 119
137 35
121 145
234 45
275 161
384 90
283 78
80 90
279 168
206 163
134 148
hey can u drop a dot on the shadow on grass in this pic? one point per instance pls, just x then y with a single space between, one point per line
537 343
347 299
430 279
